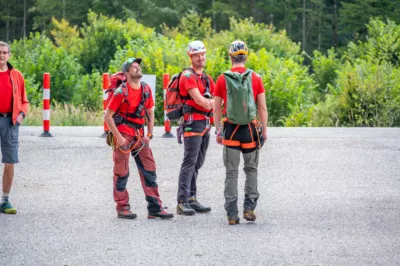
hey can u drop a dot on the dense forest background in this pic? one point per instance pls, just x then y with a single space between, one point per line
323 62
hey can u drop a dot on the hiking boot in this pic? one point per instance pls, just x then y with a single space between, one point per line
126 213
7 208
232 220
161 214
195 205
185 209
249 215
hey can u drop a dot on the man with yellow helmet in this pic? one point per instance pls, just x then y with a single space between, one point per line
240 131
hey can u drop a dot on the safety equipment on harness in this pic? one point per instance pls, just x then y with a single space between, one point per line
241 106
196 134
179 133
238 48
260 136
175 103
133 145
196 47
110 139
256 141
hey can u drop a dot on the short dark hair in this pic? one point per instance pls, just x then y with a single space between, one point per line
239 58
7 45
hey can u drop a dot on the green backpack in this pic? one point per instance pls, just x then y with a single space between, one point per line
240 93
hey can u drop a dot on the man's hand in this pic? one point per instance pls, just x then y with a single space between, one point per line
20 118
121 141
219 138
149 136
210 105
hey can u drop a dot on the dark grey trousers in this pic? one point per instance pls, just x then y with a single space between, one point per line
194 156
9 143
231 159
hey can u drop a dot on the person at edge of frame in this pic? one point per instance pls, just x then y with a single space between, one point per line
14 106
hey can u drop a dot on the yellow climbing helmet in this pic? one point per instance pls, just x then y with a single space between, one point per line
238 48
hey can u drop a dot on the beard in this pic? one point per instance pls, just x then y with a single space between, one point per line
199 64
137 75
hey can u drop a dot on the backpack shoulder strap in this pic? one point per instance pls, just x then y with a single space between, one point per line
248 72
230 74
145 90
145 96
191 70
124 89
208 85
238 76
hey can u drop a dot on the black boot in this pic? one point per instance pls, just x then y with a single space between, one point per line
194 204
184 208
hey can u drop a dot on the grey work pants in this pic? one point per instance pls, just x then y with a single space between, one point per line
194 156
231 162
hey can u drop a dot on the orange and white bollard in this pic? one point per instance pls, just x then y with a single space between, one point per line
167 122
106 84
46 106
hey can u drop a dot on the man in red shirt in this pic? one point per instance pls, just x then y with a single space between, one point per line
129 108
240 138
13 108
197 88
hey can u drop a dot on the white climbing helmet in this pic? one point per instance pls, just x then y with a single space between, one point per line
196 47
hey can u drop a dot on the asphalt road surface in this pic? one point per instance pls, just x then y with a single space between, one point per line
327 197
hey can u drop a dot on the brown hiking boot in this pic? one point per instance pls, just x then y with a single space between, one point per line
233 220
126 213
249 215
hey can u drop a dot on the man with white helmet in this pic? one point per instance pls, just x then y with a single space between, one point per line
243 129
196 88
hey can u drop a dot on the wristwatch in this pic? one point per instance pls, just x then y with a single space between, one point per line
149 135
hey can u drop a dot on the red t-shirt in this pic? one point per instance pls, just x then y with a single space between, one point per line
134 98
220 89
6 93
189 81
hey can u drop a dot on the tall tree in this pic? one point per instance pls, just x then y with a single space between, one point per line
304 25
335 26
355 14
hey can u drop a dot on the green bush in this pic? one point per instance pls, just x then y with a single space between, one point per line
36 56
369 94
382 45
325 68
89 92
287 83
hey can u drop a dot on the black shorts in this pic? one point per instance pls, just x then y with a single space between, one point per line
243 134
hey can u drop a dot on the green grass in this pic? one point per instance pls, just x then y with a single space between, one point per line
65 115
